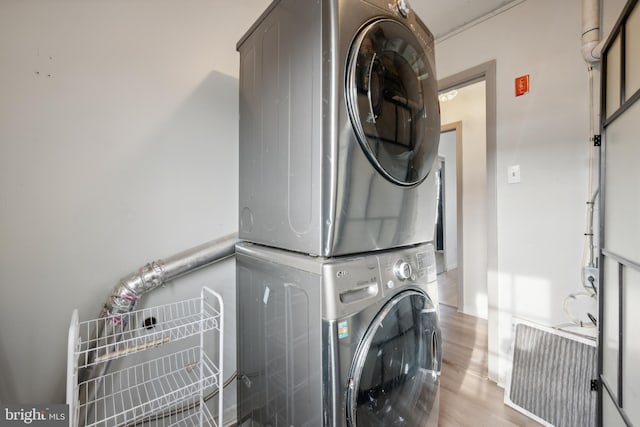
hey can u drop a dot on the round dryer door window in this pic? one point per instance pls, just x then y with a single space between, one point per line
393 101
396 371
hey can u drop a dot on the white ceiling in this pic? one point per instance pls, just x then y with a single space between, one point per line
445 17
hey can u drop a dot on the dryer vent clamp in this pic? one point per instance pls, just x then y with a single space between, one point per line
339 127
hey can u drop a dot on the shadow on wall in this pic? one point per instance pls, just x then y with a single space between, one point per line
7 383
138 199
181 183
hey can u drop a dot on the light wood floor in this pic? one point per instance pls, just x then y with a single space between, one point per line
467 396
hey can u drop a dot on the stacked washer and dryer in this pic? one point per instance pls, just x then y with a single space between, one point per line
336 280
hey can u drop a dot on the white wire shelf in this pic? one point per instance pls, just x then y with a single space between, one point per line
181 367
149 388
113 337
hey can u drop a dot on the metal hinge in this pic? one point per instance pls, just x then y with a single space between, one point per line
594 385
597 140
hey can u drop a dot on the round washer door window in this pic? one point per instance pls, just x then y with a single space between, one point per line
396 371
393 102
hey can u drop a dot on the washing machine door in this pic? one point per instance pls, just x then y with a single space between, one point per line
396 371
393 101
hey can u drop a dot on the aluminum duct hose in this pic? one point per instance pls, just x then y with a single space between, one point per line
127 293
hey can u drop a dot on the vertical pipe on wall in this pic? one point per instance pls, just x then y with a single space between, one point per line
591 52
591 46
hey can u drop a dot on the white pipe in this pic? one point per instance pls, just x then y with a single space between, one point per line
592 252
591 46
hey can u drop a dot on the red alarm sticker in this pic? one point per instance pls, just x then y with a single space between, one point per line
522 85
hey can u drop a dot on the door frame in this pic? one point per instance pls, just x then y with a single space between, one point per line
442 200
609 393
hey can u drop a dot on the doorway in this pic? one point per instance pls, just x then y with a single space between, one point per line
463 137
481 251
448 222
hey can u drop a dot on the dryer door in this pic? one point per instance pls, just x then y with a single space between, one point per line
393 101
396 370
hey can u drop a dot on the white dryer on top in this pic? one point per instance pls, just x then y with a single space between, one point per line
339 127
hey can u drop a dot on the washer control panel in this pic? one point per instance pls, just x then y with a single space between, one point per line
352 284
411 266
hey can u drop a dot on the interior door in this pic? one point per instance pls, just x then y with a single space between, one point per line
393 101
618 345
396 371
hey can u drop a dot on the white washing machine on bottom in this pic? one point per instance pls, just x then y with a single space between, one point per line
349 341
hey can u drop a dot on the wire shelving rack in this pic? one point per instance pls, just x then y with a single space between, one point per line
156 366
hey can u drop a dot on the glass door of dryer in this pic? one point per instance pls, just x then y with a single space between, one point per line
392 100
395 374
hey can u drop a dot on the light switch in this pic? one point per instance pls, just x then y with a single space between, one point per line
513 174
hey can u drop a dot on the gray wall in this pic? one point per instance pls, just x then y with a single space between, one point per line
118 145
541 220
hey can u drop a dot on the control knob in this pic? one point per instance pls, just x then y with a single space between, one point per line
402 270
403 7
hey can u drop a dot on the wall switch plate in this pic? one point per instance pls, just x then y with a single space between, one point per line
513 174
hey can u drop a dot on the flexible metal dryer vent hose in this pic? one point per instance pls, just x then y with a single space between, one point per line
127 293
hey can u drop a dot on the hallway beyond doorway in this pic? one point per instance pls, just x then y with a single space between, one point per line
448 286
